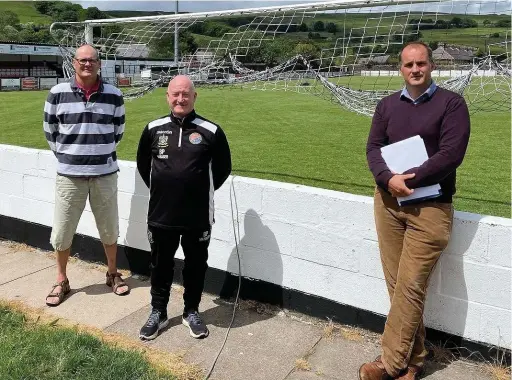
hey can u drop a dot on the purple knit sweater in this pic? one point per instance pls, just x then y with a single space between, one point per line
443 123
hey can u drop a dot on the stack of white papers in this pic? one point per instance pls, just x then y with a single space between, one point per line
407 154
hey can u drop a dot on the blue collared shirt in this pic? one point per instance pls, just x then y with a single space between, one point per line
423 97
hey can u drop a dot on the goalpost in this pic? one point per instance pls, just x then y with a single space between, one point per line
288 48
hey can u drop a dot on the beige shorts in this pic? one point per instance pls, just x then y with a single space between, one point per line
70 198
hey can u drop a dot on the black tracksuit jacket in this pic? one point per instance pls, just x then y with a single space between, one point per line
182 161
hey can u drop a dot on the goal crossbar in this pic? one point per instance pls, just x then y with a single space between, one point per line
311 7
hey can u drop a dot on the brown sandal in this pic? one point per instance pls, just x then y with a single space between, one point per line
64 290
115 281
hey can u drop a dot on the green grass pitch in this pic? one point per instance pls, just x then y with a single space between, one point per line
290 137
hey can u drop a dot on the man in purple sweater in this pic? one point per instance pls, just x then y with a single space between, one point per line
413 236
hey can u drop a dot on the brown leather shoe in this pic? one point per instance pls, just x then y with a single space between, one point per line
413 372
373 371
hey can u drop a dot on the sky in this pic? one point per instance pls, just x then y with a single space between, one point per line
184 5
471 7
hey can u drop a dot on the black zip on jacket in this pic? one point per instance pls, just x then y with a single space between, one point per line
183 161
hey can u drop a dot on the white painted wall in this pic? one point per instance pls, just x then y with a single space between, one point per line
313 240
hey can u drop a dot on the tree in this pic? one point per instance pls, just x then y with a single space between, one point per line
469 23
164 47
303 27
480 53
397 37
276 51
314 36
68 15
9 18
456 22
319 26
9 33
331 27
442 24
503 23
487 23
252 55
187 42
426 23
307 50
64 11
93 13
413 37
270 53
197 28
433 45
235 22
31 32
215 29
44 7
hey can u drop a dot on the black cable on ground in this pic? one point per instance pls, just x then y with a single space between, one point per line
236 230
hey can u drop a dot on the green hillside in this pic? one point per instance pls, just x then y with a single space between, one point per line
488 29
135 13
315 33
25 11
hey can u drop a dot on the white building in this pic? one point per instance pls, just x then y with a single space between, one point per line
29 66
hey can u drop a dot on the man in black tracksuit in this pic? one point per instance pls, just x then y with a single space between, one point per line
182 158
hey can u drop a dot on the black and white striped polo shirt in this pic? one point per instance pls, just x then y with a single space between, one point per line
83 133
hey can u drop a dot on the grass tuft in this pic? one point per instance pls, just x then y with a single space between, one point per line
329 330
302 364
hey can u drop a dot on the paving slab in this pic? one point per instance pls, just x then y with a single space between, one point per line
96 305
260 346
339 358
307 375
5 249
19 264
33 288
457 370
90 302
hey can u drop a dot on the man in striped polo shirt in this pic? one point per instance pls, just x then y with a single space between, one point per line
83 123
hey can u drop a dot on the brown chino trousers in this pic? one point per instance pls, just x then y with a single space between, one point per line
411 240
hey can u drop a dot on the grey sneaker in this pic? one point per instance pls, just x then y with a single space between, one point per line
195 324
156 322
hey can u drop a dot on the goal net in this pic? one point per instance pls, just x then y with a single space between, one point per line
344 50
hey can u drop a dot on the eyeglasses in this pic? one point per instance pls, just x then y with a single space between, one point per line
84 61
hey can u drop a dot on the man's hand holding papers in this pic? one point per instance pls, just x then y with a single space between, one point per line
397 186
400 157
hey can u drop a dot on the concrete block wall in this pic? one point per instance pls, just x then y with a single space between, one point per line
316 241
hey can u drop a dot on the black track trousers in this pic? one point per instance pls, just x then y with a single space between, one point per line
164 243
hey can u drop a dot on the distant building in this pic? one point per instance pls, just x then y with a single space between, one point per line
453 54
132 51
374 60
199 59
29 66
